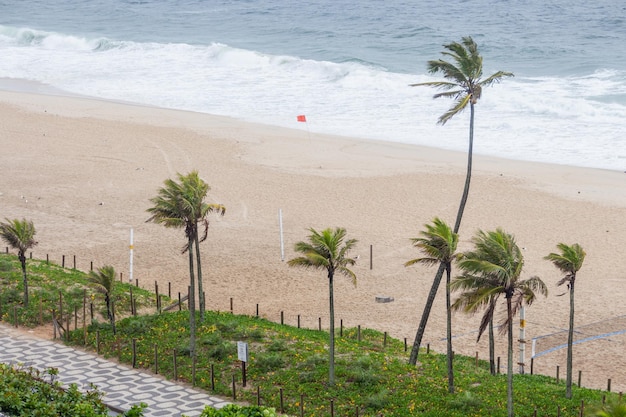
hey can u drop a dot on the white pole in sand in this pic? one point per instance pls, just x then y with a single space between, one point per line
130 276
282 242
522 338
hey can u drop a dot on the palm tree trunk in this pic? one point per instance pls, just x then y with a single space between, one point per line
468 176
449 331
509 366
112 316
192 303
199 268
424 320
492 349
331 362
570 341
457 224
22 258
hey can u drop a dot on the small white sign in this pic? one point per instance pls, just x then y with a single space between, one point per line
242 351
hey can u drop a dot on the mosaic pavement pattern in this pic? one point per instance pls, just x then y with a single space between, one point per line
121 385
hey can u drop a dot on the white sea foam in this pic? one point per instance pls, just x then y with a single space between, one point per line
576 120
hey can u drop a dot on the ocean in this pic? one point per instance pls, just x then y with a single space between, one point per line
347 66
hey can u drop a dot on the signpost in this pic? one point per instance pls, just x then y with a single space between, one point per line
242 355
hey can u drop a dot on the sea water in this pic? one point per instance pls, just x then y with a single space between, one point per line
345 65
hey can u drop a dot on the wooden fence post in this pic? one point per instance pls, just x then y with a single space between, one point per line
301 405
193 370
234 389
582 408
175 367
156 359
282 404
134 353
557 374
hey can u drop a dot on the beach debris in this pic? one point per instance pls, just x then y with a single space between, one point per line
383 299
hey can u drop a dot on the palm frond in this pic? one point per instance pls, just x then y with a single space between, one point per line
19 234
462 74
458 107
326 250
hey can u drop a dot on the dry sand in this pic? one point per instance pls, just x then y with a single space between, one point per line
83 170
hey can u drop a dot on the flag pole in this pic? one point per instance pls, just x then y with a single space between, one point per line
302 118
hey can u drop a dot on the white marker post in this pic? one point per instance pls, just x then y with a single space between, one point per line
130 276
522 339
282 242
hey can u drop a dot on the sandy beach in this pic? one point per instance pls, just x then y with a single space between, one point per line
84 170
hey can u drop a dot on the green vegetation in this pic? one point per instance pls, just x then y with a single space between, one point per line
370 375
53 288
30 392
233 410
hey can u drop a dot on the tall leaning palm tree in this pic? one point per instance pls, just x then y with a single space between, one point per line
569 261
20 235
463 83
495 267
328 251
438 243
104 282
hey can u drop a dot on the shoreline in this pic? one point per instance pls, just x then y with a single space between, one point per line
84 169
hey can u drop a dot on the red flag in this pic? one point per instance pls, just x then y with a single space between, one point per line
302 118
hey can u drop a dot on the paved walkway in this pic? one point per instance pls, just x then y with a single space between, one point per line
121 385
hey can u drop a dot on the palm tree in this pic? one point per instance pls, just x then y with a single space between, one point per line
569 261
20 235
195 192
439 244
494 268
173 209
463 82
104 282
327 250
